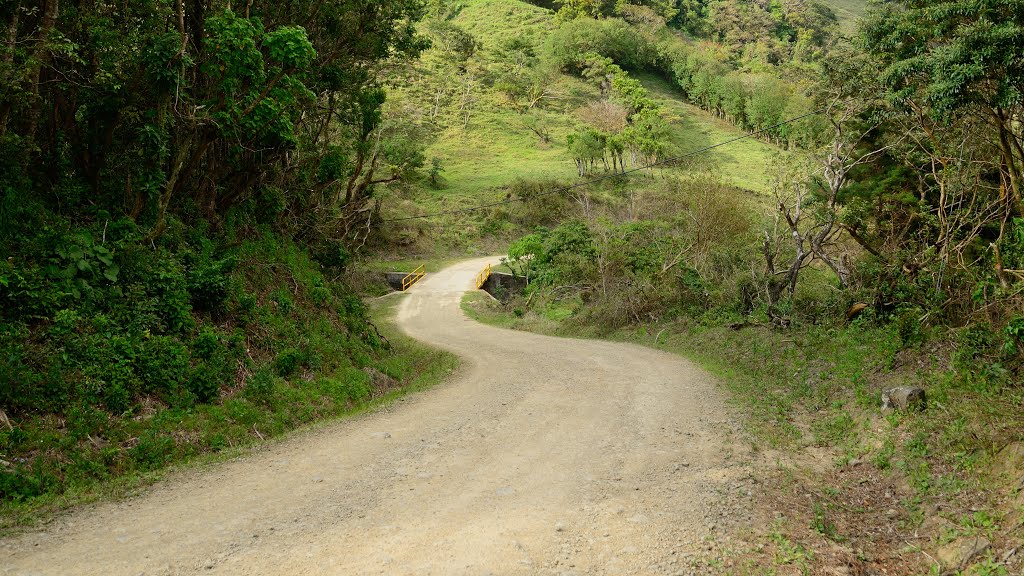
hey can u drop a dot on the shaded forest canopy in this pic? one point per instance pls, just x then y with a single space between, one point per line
146 108
182 186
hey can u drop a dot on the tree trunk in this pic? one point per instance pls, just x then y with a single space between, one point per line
1008 161
10 43
164 201
42 58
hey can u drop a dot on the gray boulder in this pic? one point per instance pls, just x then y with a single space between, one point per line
904 398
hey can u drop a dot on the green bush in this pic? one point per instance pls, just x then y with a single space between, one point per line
1013 337
356 384
284 301
204 383
907 320
162 364
65 323
24 482
261 386
978 348
172 301
566 47
973 343
173 324
153 451
247 304
208 345
318 291
22 388
84 419
288 361
26 290
537 206
332 253
119 311
207 282
115 384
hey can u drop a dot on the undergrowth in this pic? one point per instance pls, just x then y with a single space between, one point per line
123 357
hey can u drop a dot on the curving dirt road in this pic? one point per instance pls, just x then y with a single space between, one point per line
542 456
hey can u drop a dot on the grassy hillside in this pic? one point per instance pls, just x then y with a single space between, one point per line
848 11
485 152
697 271
497 147
207 347
495 21
175 269
744 164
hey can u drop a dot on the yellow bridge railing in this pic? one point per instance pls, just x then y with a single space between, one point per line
483 276
413 277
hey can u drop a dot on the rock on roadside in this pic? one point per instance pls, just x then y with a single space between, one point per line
903 398
959 552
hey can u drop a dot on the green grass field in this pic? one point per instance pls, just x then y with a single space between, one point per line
241 427
483 157
494 21
848 11
743 163
497 147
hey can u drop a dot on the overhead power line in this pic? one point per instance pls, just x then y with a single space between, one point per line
606 176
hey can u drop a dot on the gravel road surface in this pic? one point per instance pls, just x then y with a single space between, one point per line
540 456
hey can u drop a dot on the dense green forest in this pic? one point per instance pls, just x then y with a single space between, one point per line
183 186
192 193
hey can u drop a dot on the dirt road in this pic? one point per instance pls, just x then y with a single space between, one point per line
541 456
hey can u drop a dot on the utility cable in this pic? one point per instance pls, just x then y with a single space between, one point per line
606 176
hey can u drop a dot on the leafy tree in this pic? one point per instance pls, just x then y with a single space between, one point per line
171 103
571 9
518 75
734 97
142 145
587 147
646 18
741 24
436 168
455 45
766 106
706 87
598 70
538 125
566 48
633 95
644 135
953 59
522 254
691 16
814 25
646 138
